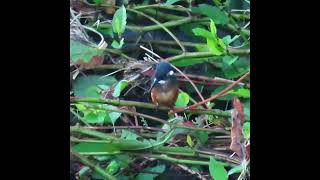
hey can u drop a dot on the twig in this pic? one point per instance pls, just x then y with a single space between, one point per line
115 102
163 27
213 80
97 168
215 96
191 171
125 127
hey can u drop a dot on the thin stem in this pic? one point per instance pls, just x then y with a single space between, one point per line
118 53
115 102
79 117
161 25
164 42
124 127
97 168
223 92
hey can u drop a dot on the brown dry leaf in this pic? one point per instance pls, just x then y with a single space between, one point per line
236 129
95 61
248 152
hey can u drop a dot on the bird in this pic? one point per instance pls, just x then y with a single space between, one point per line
164 86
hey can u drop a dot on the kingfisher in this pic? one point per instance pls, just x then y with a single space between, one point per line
164 86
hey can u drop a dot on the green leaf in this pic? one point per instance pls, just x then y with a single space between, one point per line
227 40
107 31
119 87
104 87
214 48
81 52
226 97
170 2
94 147
202 48
116 45
213 12
123 160
229 59
83 85
113 167
80 106
238 68
217 171
246 109
189 140
98 2
235 169
189 61
145 176
183 99
92 91
93 117
85 170
128 135
119 20
246 130
112 116
242 92
203 136
213 28
202 32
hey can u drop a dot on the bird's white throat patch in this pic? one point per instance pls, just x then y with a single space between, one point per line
161 82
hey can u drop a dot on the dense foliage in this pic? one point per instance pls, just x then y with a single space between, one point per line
115 130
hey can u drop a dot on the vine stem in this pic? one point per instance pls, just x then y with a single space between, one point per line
161 120
162 26
97 168
117 102
215 96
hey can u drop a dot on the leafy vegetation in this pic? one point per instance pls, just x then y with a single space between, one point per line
116 132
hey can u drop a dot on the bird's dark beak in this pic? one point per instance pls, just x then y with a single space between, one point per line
154 81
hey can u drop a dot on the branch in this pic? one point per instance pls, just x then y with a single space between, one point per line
215 96
162 121
125 127
97 168
117 102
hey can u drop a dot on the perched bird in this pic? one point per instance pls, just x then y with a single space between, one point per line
164 86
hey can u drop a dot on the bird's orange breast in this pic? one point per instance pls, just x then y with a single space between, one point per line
164 98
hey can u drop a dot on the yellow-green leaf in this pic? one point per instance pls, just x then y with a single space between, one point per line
217 171
189 141
119 20
183 99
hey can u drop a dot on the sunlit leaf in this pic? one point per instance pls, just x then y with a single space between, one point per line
119 87
170 2
82 52
246 130
117 45
213 12
183 99
235 169
86 86
189 141
113 167
217 171
145 176
242 92
119 20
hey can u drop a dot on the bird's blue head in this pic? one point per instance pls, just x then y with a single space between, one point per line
163 72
